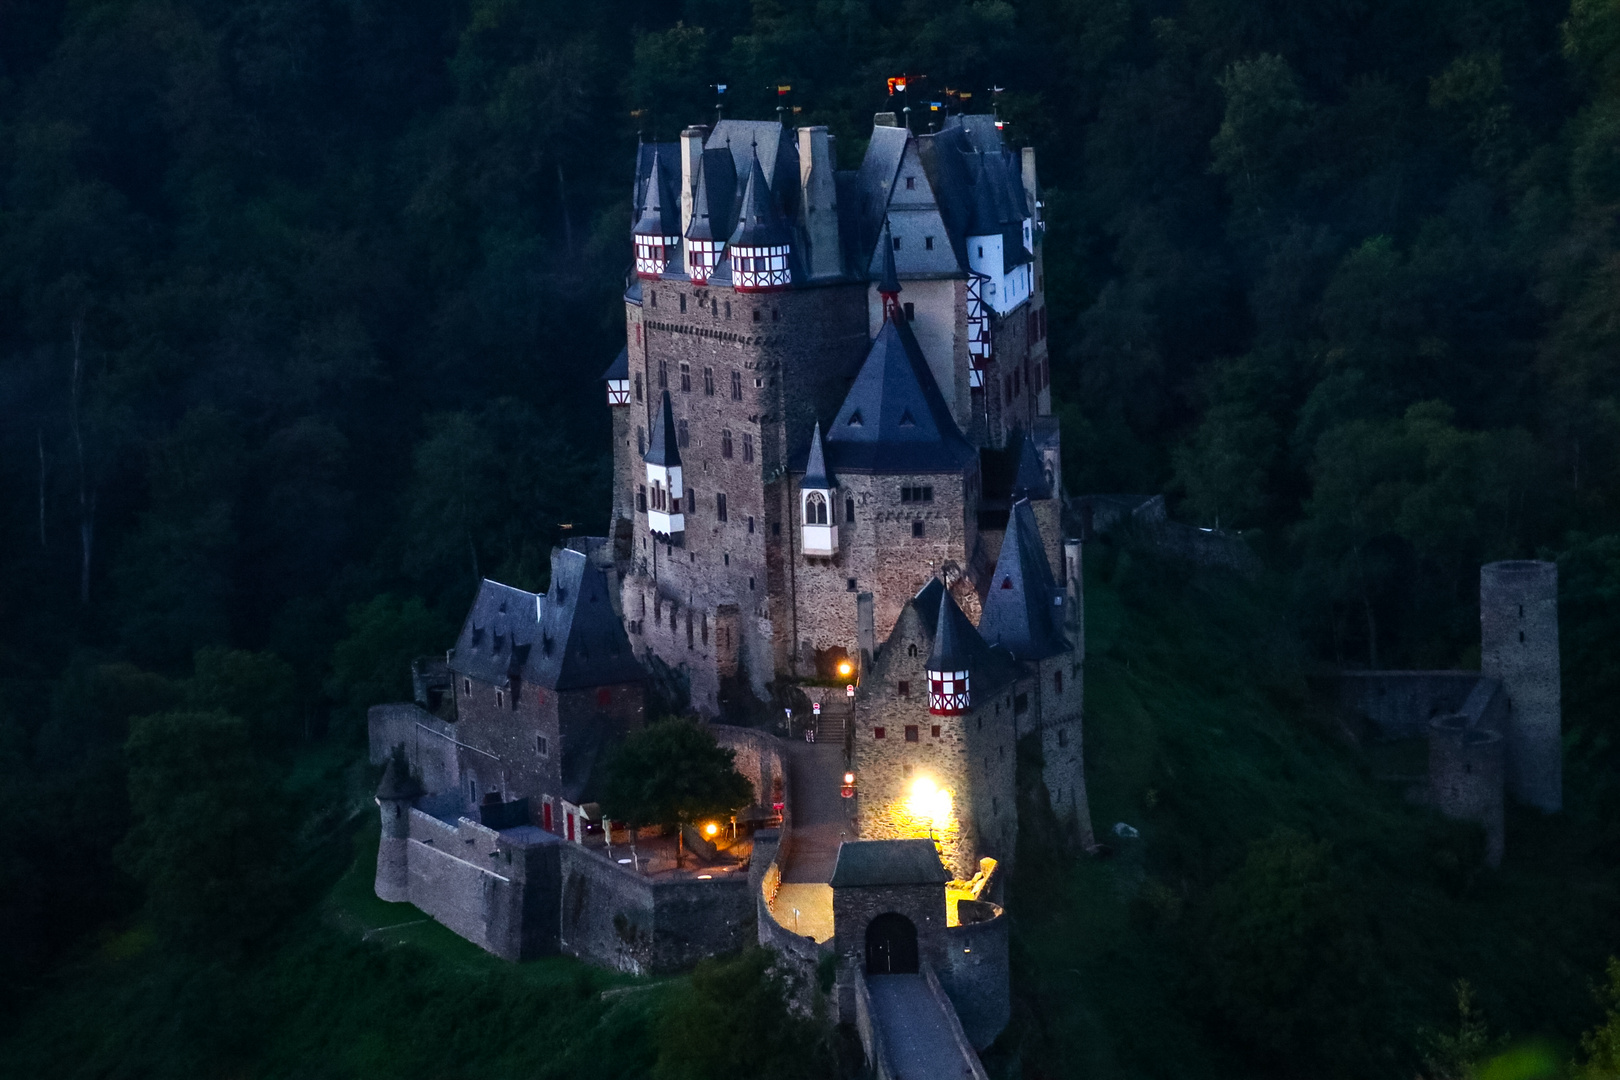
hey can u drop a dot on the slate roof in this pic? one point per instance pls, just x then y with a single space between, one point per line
894 419
759 222
978 185
714 201
815 469
619 370
1029 481
663 448
1023 610
397 781
927 602
658 211
889 279
565 640
956 643
866 863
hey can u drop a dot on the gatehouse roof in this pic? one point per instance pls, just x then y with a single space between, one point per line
867 863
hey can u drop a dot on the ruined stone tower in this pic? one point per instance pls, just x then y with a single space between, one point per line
1518 621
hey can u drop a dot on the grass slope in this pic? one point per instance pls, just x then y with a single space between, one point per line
361 988
1283 912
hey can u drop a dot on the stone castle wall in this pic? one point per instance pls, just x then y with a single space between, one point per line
1518 622
1466 774
759 758
973 969
429 742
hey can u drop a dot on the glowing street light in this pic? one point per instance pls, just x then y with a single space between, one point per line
844 668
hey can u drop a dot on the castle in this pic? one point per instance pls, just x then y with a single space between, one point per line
835 467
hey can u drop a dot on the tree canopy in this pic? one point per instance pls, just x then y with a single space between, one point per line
672 773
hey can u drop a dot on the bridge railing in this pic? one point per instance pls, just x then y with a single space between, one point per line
870 1031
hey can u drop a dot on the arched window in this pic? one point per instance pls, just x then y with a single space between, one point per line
815 509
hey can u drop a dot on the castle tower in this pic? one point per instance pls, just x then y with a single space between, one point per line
816 501
394 796
664 486
1465 777
657 234
1518 622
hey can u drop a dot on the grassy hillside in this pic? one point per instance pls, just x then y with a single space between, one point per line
1284 912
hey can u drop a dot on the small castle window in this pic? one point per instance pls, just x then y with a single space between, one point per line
748 447
750 580
641 440
911 185
720 512
917 529
750 523
904 685
641 499
638 386
849 585
542 746
725 442
708 381
652 294
776 528
911 311
728 309
911 733
663 374
897 243
500 699
466 687
683 434
683 303
1063 737
877 733
686 377
756 315
911 650
849 509
928 243
1057 682
736 376
934 731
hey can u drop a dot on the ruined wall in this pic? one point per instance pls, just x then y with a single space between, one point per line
759 758
1400 704
1466 777
1518 622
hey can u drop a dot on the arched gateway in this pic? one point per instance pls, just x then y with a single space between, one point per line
891 945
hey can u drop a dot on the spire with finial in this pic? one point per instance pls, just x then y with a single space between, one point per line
888 285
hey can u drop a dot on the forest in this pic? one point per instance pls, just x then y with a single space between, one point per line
304 303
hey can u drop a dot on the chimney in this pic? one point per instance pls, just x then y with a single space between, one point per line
691 161
818 209
885 119
1029 183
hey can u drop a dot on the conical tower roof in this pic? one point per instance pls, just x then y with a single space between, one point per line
956 644
659 211
815 469
889 282
397 781
662 448
1023 608
758 223
1029 482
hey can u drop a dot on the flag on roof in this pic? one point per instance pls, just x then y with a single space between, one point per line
897 85
782 89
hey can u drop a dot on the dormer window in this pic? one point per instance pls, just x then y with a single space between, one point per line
705 257
911 185
755 269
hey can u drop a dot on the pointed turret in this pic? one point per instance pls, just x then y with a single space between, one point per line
820 529
950 664
1023 609
759 245
657 234
888 285
1030 482
663 463
617 377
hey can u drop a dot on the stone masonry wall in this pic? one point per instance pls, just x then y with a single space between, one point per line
488 889
760 758
617 918
853 911
973 969
428 742
1518 621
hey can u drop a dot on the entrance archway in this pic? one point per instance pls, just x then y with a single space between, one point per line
891 945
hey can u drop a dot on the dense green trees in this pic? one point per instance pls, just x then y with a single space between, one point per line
302 304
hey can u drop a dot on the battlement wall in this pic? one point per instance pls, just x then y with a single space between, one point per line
1400 704
429 742
620 919
973 968
487 886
